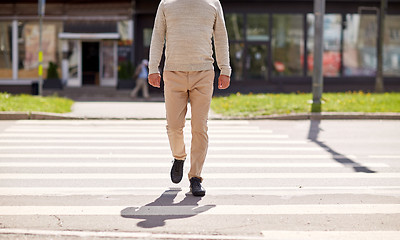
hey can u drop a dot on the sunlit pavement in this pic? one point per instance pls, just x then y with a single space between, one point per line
264 180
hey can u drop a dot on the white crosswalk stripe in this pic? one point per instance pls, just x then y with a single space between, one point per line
24 140
124 235
129 130
332 235
200 209
208 175
220 191
166 156
155 148
114 168
166 165
255 135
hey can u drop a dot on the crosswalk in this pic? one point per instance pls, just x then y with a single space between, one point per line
261 184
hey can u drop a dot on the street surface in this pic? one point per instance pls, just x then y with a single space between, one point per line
264 180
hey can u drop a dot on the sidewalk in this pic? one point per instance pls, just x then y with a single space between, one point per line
103 110
122 110
156 110
110 110
109 103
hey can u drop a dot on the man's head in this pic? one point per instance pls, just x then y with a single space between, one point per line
145 62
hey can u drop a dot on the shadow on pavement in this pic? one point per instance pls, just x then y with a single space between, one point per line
155 214
338 157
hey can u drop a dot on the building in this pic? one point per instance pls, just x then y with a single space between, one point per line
86 39
271 42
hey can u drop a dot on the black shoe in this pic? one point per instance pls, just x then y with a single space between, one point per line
177 171
196 188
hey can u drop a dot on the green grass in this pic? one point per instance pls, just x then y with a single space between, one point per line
240 105
28 103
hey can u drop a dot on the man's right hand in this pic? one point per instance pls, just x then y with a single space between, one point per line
155 79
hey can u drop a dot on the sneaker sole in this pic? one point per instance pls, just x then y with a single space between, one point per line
176 181
199 194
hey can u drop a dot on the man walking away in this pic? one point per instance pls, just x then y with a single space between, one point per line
141 75
187 28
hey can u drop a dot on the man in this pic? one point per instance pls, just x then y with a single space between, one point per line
141 75
187 28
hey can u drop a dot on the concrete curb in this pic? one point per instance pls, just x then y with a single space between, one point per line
60 116
321 116
34 116
300 116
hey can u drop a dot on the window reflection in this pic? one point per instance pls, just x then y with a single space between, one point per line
5 50
125 29
256 62
236 57
73 61
359 55
391 55
108 59
287 44
147 32
28 45
331 54
257 27
234 26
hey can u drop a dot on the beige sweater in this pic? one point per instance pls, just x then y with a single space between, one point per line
187 28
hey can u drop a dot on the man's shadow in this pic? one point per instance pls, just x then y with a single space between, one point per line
338 157
156 213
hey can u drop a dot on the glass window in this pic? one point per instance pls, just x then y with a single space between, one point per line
331 54
28 48
391 57
234 26
287 44
5 50
256 62
236 57
359 45
108 59
257 27
125 29
147 32
73 60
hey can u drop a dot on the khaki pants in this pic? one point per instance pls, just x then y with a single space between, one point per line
141 84
179 87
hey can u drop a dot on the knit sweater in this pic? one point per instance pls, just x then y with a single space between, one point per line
187 28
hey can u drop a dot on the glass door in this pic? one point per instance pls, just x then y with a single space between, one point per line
74 63
108 63
257 47
257 62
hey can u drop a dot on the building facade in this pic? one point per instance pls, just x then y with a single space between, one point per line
87 40
271 42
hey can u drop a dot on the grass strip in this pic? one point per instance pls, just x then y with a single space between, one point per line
249 105
29 103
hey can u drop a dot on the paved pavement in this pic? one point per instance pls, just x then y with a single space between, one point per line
92 102
124 110
155 109
277 180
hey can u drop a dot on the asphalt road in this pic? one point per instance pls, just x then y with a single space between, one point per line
264 180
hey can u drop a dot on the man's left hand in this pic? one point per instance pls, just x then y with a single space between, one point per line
223 82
